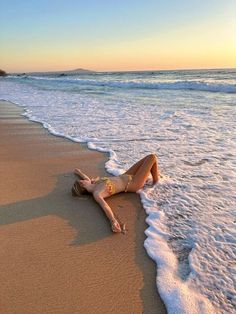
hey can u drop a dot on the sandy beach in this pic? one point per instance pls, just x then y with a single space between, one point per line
57 252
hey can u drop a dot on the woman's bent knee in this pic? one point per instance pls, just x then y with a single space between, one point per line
152 157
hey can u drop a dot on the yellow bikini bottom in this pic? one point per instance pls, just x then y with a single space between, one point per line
130 178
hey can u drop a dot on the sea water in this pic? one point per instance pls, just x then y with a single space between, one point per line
187 118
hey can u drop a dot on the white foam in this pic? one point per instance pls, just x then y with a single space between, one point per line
178 295
198 85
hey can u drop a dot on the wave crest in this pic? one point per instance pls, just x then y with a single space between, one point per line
129 84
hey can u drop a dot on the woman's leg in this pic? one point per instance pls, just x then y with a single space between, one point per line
154 170
155 173
141 172
133 169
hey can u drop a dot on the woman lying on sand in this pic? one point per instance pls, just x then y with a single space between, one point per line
130 181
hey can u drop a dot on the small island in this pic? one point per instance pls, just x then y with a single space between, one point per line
3 73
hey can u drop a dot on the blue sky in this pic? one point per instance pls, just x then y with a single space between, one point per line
77 33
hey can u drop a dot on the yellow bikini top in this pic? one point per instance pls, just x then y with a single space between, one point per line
111 188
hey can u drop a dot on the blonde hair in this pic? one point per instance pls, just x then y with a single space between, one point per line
78 190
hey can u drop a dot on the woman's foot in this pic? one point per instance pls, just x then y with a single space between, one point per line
115 226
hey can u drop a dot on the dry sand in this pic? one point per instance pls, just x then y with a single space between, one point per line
57 252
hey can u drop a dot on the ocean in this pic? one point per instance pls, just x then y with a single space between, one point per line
188 119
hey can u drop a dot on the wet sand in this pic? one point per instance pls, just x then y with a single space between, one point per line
57 252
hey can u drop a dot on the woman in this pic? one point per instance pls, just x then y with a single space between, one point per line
130 181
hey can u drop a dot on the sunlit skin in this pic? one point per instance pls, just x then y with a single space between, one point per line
131 181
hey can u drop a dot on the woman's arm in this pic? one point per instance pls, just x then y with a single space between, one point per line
108 211
82 175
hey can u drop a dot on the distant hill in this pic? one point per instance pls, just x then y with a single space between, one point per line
79 70
2 73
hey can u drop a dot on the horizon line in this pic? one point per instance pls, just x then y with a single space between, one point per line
109 71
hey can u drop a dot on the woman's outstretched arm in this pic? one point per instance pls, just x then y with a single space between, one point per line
115 226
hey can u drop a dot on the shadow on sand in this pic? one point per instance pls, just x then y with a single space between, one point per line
78 212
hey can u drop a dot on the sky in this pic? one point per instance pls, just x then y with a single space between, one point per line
117 35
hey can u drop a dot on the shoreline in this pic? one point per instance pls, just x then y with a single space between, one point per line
54 244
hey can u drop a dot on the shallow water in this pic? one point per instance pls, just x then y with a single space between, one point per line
188 119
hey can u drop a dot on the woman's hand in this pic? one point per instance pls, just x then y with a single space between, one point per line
115 226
